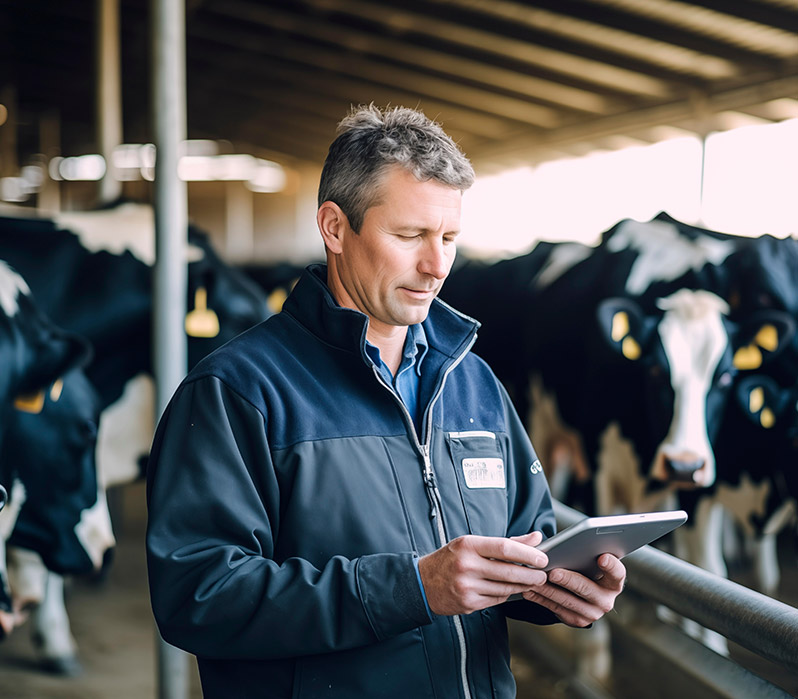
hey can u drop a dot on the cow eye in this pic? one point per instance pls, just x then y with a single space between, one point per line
725 379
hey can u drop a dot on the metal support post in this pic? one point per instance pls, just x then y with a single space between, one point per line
170 273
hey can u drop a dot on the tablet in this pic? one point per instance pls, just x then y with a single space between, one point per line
579 546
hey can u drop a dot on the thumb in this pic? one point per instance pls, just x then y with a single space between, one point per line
531 539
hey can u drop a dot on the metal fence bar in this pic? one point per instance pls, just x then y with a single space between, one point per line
759 623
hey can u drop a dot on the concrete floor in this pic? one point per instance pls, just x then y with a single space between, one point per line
116 635
113 626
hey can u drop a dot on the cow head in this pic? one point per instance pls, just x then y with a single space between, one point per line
771 411
222 301
62 517
688 354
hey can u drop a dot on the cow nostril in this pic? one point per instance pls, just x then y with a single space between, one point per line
683 469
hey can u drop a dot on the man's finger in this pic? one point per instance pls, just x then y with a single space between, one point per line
510 550
613 572
531 539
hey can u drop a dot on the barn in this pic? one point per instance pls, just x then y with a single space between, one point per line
159 167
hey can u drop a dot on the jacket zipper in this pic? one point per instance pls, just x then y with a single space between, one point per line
431 487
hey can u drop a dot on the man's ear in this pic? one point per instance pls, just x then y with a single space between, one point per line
333 224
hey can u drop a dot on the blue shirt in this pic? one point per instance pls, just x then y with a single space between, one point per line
408 375
406 385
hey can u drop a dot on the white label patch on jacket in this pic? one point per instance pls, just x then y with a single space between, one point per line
484 472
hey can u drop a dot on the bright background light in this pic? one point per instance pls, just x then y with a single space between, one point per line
751 188
751 184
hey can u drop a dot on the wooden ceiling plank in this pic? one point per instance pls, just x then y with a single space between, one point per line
680 114
455 67
652 28
723 26
359 90
563 23
355 65
613 77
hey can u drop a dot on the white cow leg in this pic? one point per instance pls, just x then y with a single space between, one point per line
594 655
703 545
52 635
767 569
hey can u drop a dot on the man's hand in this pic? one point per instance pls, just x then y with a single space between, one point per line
475 572
577 600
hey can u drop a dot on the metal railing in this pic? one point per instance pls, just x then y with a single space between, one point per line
756 622
653 658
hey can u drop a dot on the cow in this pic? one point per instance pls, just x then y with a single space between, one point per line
623 356
35 355
757 445
64 524
95 279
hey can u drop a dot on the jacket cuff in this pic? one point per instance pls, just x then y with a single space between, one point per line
391 595
522 610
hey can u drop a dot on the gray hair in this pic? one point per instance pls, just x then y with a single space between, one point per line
370 140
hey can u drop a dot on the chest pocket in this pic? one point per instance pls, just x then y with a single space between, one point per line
482 478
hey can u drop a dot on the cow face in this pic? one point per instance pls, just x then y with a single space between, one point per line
686 359
62 518
771 413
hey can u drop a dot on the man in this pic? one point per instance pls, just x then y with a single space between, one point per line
339 497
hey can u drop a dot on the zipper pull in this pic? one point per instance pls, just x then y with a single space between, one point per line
429 487
429 482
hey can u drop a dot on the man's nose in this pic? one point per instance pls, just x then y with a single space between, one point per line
436 260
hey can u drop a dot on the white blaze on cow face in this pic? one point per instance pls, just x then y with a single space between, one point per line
694 339
11 286
128 227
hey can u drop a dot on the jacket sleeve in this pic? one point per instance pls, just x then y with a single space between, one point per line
214 506
529 504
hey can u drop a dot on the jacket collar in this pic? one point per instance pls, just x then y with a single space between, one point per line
312 304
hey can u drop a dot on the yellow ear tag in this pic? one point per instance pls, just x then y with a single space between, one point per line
756 399
748 357
202 321
767 418
620 326
30 403
55 391
768 337
630 348
276 299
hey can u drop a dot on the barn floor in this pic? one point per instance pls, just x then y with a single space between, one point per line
113 626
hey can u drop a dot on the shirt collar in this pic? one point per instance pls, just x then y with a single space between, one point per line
413 353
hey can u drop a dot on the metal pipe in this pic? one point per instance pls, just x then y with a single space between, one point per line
109 95
170 273
759 623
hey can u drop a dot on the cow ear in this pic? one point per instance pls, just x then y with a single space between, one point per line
761 338
624 326
762 400
57 354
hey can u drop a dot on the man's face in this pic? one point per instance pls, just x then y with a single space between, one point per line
396 265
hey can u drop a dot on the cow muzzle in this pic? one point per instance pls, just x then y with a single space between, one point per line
684 470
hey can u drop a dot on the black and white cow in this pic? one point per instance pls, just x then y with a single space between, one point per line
63 524
634 348
92 272
35 358
631 357
757 448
